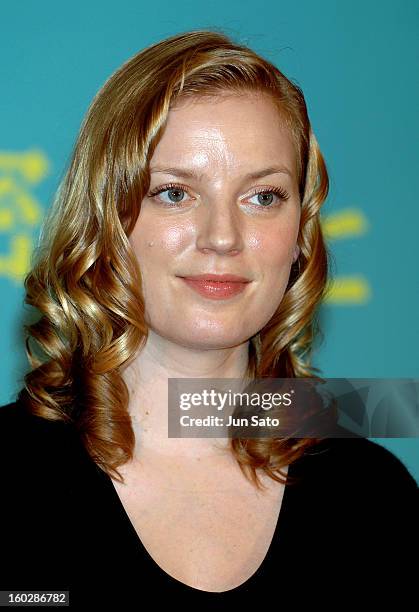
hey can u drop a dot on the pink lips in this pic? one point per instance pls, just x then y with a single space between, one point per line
217 286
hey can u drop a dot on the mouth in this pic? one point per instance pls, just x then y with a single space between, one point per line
221 278
216 286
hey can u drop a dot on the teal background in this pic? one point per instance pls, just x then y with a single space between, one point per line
357 63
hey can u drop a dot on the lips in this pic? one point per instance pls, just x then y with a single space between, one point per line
220 278
217 286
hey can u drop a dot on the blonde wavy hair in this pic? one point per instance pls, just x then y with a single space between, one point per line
86 280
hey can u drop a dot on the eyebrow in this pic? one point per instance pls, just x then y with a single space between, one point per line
190 174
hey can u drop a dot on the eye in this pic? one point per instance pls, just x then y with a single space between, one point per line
266 197
175 193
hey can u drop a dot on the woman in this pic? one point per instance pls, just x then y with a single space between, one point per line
196 159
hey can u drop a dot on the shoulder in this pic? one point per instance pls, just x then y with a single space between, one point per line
356 506
38 460
362 485
18 425
357 477
362 459
36 449
362 482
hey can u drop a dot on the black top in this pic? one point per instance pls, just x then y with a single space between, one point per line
346 531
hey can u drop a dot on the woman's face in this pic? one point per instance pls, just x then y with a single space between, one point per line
212 162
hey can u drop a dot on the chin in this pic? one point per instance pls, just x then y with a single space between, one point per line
207 340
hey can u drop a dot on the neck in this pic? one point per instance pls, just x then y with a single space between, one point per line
147 380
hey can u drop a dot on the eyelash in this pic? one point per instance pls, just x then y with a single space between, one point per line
278 191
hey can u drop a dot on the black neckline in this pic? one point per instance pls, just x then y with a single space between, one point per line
262 569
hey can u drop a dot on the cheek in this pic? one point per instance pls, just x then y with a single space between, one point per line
273 253
155 244
272 250
171 239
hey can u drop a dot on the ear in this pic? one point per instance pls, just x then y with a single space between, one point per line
296 253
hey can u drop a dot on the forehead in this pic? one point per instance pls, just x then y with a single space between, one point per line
229 130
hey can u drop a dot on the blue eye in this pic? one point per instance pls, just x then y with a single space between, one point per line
176 191
265 195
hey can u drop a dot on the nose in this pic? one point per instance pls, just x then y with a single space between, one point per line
219 227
